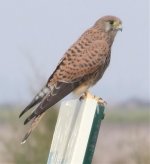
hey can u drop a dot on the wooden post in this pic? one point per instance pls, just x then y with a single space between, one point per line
76 132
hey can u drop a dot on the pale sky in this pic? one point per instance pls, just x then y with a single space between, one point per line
36 33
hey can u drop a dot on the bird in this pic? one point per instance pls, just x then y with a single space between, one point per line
82 65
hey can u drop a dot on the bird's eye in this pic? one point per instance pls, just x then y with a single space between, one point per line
111 22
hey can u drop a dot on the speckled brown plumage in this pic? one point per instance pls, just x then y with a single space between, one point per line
83 64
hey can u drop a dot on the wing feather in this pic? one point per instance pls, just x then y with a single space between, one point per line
37 99
75 66
70 73
60 92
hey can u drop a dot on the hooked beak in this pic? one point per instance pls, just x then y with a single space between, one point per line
119 27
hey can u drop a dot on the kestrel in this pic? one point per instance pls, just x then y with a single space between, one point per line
83 64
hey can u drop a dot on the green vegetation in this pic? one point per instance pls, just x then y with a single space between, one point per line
127 115
36 149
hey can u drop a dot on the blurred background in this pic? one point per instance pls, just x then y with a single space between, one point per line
34 35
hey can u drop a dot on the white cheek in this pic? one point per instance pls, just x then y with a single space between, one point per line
107 27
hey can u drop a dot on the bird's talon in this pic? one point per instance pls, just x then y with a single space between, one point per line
99 100
102 102
83 96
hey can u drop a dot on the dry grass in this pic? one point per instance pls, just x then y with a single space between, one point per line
124 139
123 144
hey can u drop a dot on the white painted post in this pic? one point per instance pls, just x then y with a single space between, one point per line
73 132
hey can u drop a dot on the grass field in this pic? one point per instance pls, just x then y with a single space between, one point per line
124 137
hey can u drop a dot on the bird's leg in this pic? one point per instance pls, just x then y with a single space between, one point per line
83 96
88 95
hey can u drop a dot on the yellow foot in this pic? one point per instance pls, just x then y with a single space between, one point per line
88 95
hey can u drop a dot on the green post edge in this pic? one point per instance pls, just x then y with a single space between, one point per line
99 116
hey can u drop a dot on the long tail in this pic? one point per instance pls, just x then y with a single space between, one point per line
33 126
46 102
36 99
49 100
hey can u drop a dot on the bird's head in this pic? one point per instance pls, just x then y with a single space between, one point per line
109 23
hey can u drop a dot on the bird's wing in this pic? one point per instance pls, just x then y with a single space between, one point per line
51 99
37 99
40 95
69 74
75 64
